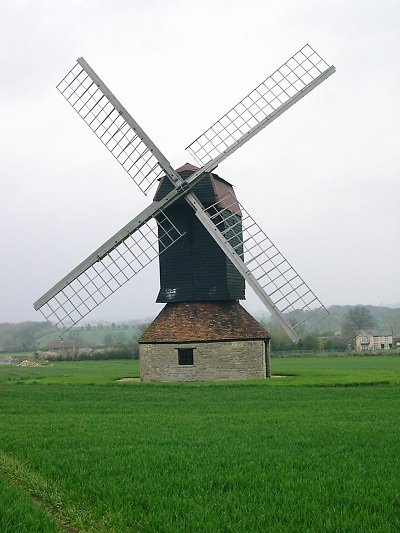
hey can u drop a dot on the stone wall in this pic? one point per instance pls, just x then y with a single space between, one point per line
211 361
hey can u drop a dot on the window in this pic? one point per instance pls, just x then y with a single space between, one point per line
185 356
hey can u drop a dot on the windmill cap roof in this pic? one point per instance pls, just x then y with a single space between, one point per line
212 189
187 166
192 168
203 322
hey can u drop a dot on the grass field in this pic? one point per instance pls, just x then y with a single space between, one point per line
316 451
71 372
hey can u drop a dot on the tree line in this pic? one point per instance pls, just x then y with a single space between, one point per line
356 318
23 337
336 333
29 336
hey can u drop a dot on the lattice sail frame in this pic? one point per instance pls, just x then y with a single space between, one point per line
276 276
106 275
106 117
286 82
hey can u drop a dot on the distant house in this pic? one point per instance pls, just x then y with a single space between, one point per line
371 340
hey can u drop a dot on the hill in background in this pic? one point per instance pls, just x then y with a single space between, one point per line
385 317
95 336
28 336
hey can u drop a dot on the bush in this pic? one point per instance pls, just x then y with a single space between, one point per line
87 354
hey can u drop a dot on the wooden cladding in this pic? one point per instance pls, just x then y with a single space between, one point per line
195 268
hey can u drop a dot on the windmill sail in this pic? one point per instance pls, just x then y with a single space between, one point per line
107 269
304 71
114 126
274 280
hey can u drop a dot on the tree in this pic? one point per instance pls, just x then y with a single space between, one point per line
23 336
8 343
357 318
310 342
279 338
335 343
109 339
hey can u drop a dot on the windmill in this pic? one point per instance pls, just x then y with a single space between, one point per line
207 243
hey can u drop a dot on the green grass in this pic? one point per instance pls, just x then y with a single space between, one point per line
19 514
318 371
310 452
328 371
69 372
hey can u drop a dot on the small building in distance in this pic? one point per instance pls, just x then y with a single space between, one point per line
396 342
372 340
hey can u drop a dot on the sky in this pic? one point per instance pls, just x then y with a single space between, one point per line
322 180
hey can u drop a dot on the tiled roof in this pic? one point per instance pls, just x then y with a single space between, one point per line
201 322
375 332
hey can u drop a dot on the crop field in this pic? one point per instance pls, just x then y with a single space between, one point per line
318 450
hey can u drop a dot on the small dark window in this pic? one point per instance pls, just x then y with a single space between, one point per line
185 356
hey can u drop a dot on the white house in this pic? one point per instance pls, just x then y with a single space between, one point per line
371 340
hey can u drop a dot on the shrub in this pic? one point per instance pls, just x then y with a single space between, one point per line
87 354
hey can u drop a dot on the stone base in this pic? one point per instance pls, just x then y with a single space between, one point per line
220 360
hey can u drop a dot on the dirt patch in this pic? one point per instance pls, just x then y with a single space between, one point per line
34 363
278 376
128 380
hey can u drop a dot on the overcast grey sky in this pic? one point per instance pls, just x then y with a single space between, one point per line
323 179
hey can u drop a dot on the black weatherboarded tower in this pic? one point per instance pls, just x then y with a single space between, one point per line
195 268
